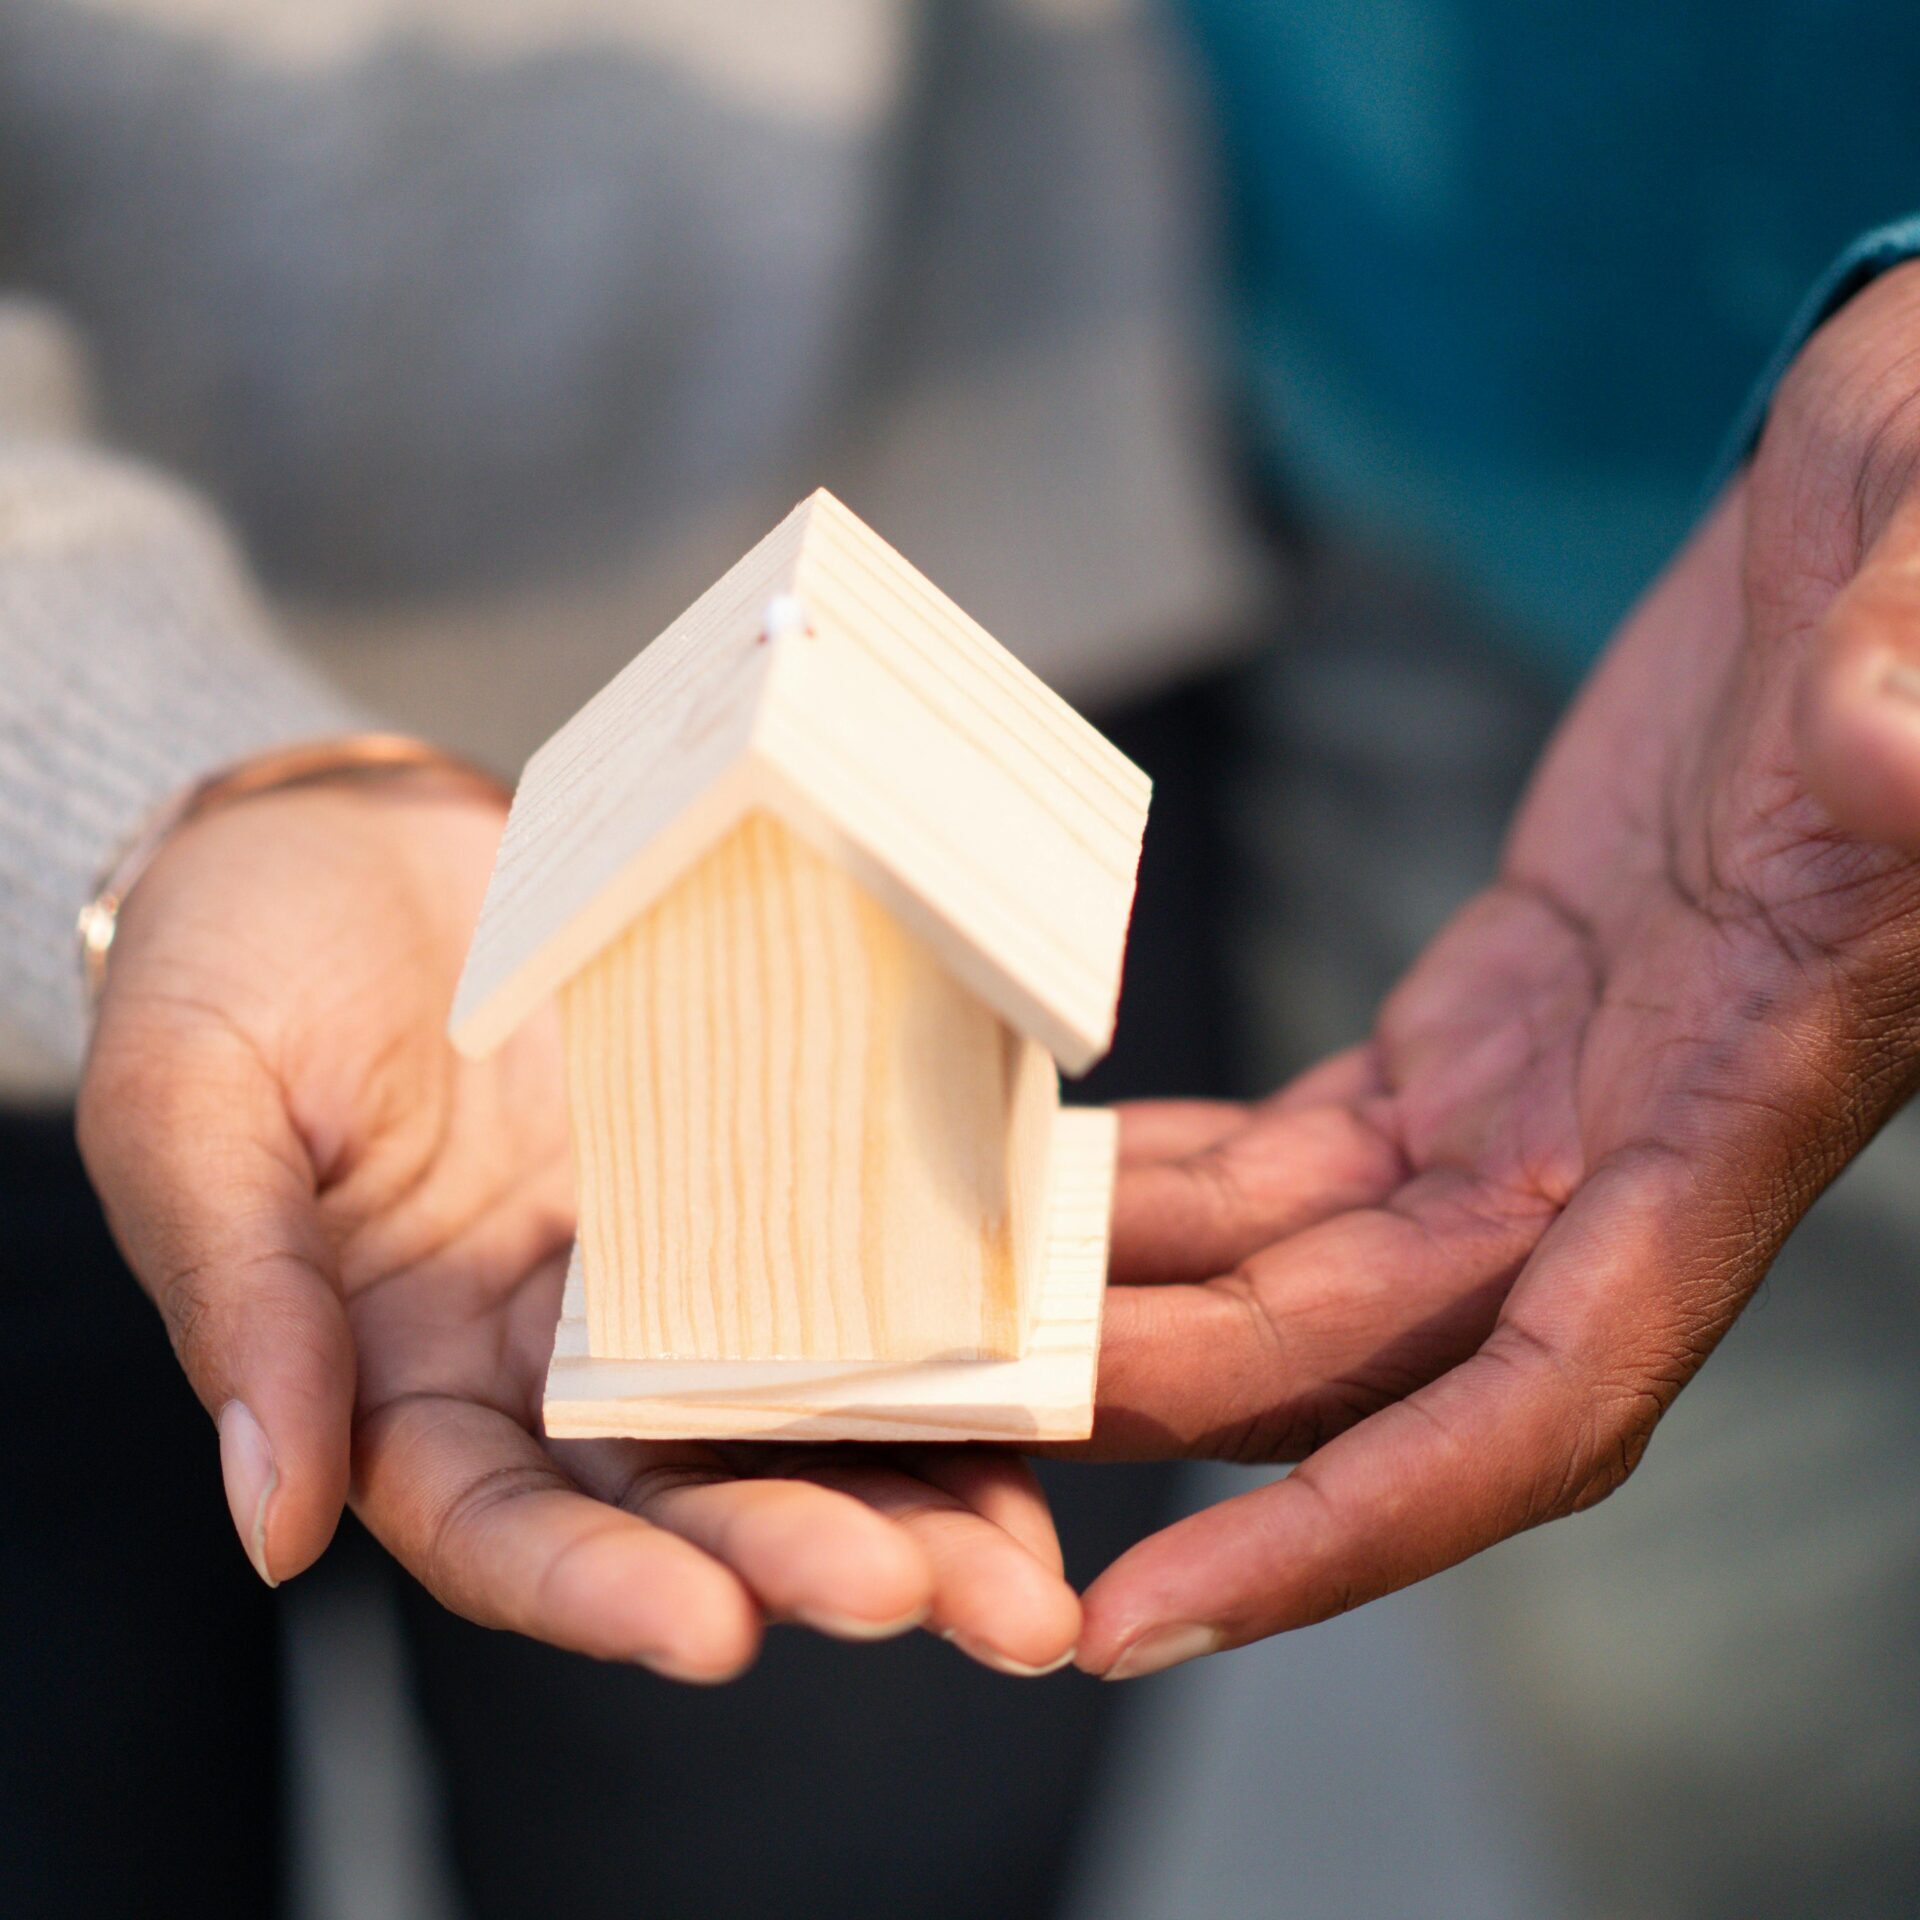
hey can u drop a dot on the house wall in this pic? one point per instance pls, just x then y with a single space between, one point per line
796 1136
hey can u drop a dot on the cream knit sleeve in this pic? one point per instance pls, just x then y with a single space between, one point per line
134 654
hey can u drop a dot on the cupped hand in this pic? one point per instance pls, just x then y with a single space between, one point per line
357 1240
1461 1271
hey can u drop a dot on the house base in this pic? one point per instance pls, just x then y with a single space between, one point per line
1046 1394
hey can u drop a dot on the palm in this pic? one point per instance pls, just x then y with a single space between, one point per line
429 1200
1467 1265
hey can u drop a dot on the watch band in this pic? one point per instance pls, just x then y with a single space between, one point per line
352 756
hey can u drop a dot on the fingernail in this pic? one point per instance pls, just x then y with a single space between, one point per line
1901 679
1164 1647
246 1465
1004 1662
670 1669
847 1626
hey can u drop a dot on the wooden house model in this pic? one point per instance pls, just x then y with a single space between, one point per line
827 886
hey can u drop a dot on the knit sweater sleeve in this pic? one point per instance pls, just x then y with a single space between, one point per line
134 654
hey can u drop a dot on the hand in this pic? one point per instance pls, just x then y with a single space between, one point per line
357 1240
1463 1270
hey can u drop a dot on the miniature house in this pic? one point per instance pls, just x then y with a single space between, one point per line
826 886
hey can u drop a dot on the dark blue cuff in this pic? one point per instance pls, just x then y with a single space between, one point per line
1868 257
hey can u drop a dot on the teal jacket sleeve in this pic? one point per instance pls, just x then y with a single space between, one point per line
1861 263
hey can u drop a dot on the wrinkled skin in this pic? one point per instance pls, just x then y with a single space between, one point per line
1461 1271
360 1238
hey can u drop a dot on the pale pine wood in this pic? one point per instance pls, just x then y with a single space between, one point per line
978 806
826 882
796 1136
1045 1395
891 732
628 794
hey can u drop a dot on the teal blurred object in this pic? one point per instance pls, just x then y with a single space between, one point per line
1503 272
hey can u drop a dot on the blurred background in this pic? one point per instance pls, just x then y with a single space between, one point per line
1305 391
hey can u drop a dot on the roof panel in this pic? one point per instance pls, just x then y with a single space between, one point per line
893 732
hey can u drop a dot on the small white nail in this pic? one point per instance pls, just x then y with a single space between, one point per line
786 614
668 1669
1005 1662
848 1626
1164 1647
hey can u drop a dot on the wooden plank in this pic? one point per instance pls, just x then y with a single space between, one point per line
955 849
892 732
628 794
1027 1151
1046 1394
796 1136
970 798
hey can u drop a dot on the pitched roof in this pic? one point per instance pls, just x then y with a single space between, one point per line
825 681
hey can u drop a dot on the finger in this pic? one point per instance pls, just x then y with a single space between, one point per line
1345 1079
1314 1332
1859 712
806 1552
1283 1170
1171 1129
1549 1415
1000 1487
211 1198
472 1505
993 1598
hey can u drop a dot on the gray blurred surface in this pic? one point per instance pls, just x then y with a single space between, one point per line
1349 1770
364 1831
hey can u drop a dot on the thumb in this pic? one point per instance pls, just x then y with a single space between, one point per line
210 1194
1859 714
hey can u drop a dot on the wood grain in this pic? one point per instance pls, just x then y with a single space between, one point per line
971 799
627 795
796 1135
1046 1394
